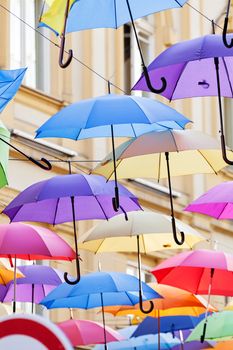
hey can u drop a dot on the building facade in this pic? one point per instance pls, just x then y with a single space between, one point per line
111 54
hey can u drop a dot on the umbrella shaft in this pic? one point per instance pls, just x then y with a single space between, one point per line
103 316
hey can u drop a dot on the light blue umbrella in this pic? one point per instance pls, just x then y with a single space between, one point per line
10 81
89 14
147 342
111 115
99 289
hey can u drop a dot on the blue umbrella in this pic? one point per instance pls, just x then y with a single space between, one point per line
10 81
89 14
99 289
167 324
111 115
146 342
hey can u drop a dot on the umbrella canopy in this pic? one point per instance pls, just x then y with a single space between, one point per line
175 302
37 282
189 68
145 156
4 151
153 229
217 202
224 345
111 14
146 342
167 324
50 200
10 81
198 67
220 326
69 198
28 242
193 271
7 275
109 288
130 116
83 332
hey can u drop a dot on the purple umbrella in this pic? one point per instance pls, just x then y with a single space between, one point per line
198 67
39 281
217 202
69 198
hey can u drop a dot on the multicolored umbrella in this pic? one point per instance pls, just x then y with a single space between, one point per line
200 272
84 332
38 281
99 289
197 67
82 14
220 327
110 116
217 202
69 198
165 154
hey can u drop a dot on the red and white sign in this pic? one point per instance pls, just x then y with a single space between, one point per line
27 332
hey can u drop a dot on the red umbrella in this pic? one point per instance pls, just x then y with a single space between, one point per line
83 332
28 242
199 272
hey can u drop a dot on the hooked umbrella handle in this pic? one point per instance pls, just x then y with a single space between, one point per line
225 28
63 40
72 282
149 84
224 151
182 238
141 306
43 163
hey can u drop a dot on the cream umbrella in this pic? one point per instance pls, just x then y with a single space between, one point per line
164 154
143 233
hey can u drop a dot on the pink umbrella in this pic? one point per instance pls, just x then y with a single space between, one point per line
217 202
200 272
28 242
82 332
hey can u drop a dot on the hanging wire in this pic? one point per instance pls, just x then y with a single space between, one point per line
203 15
58 46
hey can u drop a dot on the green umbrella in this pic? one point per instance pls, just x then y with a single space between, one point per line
4 155
219 327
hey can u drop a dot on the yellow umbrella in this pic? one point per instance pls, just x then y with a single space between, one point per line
165 154
176 302
153 229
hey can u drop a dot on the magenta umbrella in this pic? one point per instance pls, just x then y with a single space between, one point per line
83 332
69 198
200 272
28 242
217 202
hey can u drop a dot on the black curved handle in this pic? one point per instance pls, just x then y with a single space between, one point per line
202 339
116 200
182 239
224 35
224 151
61 54
43 163
149 85
141 306
72 282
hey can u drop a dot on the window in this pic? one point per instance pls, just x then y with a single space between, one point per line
28 49
132 59
132 270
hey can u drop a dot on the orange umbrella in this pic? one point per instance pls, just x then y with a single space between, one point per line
224 345
175 302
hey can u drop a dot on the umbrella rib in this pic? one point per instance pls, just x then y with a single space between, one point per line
228 76
112 172
115 13
207 162
182 71
101 207
135 135
55 213
12 82
171 132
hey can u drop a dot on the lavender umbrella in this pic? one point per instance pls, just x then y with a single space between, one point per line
39 281
198 67
69 198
